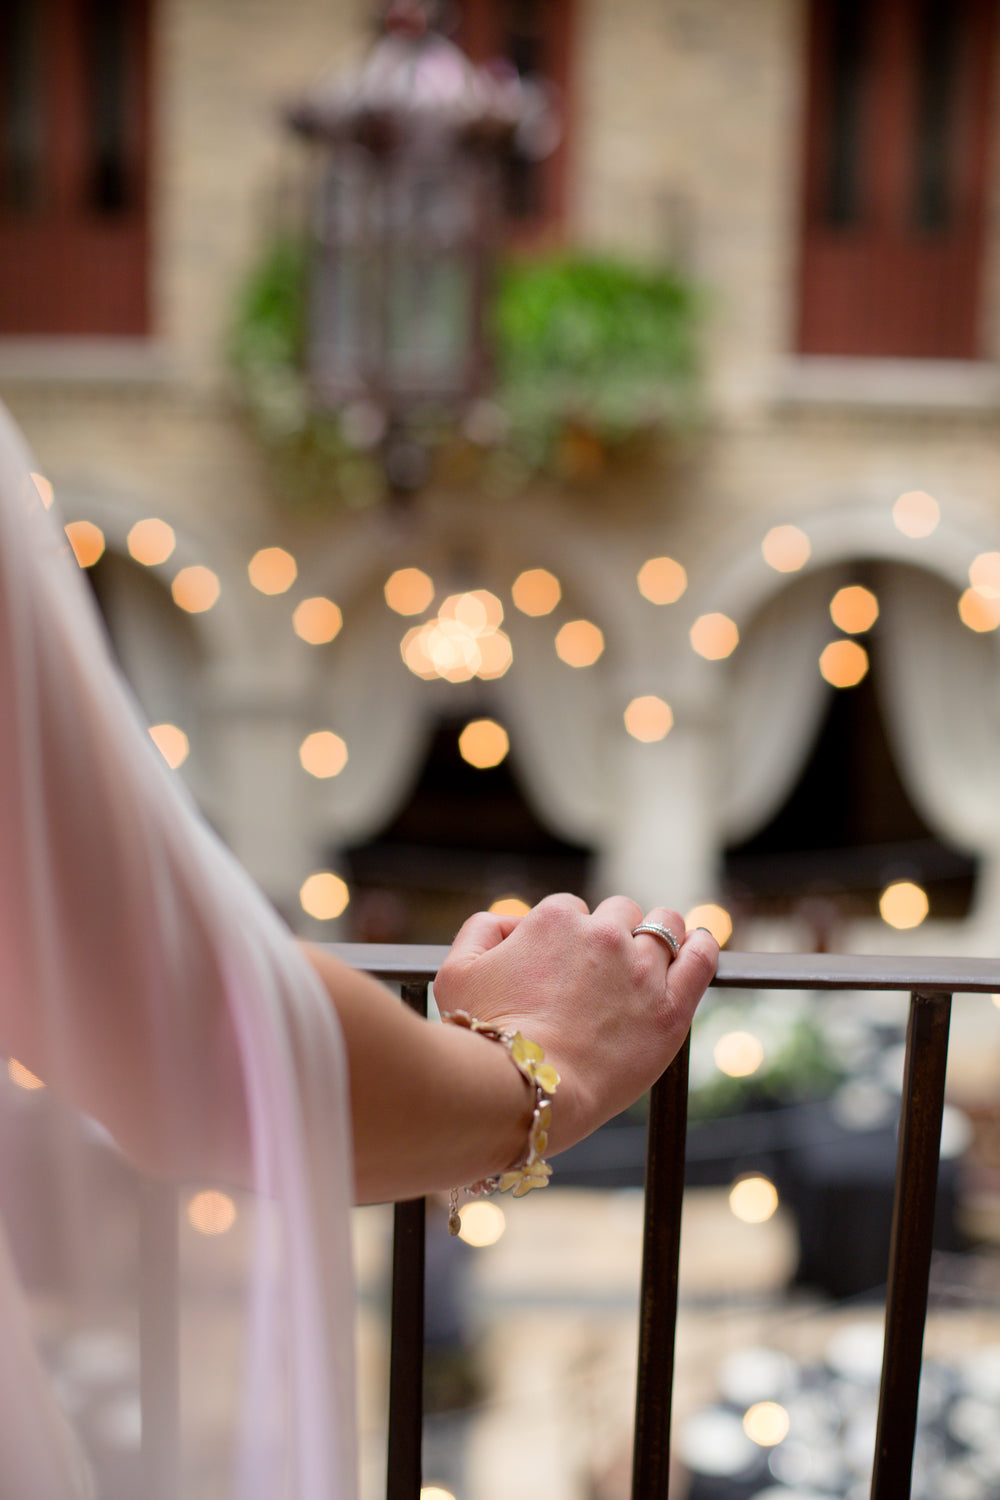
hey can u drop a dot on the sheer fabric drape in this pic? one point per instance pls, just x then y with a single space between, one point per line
112 886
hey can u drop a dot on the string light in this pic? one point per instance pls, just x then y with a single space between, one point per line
87 542
324 896
843 663
317 620
661 580
510 906
272 570
409 591
649 719
978 613
916 514
536 592
854 609
483 743
786 548
903 905
45 490
195 589
151 541
579 643
22 1076
482 1224
715 918
714 636
984 574
172 743
738 1054
323 754
211 1212
767 1424
753 1199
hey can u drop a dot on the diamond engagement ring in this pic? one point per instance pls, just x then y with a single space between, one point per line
671 939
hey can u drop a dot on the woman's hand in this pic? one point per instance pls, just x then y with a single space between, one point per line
609 1010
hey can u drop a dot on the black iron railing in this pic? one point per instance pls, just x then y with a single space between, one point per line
930 984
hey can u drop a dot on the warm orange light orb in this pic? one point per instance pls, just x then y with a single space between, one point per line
151 541
903 905
483 743
854 609
195 589
317 620
172 743
977 612
916 514
324 896
661 580
87 542
323 754
409 591
843 663
649 719
714 636
786 548
536 591
579 643
272 570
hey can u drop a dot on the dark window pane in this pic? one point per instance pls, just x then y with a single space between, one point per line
849 74
21 124
937 105
111 188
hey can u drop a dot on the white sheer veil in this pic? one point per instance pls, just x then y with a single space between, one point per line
112 885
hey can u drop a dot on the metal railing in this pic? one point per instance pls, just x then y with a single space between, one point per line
930 984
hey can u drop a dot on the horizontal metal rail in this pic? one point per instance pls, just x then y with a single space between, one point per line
930 983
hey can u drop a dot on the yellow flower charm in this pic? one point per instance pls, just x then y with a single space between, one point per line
530 1058
532 1171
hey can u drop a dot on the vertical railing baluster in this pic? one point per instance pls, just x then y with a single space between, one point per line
912 1242
667 1136
404 1472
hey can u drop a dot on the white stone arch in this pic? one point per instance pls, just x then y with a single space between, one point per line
934 674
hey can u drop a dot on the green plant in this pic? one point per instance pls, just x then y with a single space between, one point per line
583 341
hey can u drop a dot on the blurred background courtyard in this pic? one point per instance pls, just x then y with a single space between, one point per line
522 445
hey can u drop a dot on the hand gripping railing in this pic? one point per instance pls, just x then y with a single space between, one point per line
931 984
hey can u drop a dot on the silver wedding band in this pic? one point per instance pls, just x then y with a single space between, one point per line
671 939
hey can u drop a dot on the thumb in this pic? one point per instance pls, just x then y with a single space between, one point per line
479 934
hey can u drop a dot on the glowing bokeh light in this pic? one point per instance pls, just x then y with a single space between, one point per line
172 743
536 592
409 591
510 906
211 1212
272 570
317 620
87 542
496 655
579 643
767 1424
22 1076
323 754
916 514
661 580
977 612
715 918
984 574
786 548
45 491
903 905
738 1054
482 1224
483 743
195 589
324 896
151 541
714 636
753 1199
478 610
854 609
413 649
435 1492
649 719
843 663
